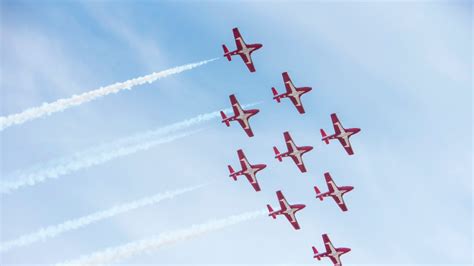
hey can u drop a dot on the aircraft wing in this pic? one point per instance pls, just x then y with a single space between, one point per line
245 125
336 124
340 203
335 260
327 243
242 159
299 163
347 145
238 39
253 182
294 222
248 61
281 200
330 182
288 139
235 105
297 104
287 81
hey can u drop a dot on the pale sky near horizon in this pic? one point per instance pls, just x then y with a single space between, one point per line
401 71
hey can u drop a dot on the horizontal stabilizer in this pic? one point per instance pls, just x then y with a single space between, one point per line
324 135
318 193
315 251
277 153
275 94
226 52
270 211
224 119
232 172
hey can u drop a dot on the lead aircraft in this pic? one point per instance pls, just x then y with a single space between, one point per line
286 209
240 115
341 134
334 254
249 170
294 152
334 191
244 50
292 92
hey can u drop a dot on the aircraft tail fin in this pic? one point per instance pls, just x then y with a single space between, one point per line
315 251
318 193
277 153
226 52
324 135
232 172
224 119
275 94
270 211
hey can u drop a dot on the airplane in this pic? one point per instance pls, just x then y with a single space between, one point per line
240 115
244 50
334 254
335 192
248 170
341 134
294 152
291 92
286 209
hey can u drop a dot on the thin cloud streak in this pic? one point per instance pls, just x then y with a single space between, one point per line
55 230
119 253
85 160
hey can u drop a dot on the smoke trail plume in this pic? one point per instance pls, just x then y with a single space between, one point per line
55 230
86 159
102 153
119 253
62 104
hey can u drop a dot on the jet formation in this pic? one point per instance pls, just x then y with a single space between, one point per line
294 152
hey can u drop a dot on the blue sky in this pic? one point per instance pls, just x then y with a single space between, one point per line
401 71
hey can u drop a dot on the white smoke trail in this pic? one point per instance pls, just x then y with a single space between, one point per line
101 154
85 160
55 230
62 104
115 254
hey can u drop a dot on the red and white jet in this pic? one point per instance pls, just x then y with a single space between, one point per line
240 115
341 134
294 152
249 170
286 209
291 92
335 192
244 50
334 254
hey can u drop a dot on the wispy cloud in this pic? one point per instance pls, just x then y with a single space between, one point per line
119 253
85 160
55 230
103 153
65 103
